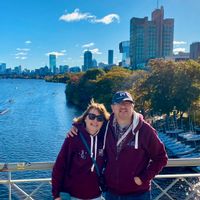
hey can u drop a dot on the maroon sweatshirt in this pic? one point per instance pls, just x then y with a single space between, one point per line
143 155
72 170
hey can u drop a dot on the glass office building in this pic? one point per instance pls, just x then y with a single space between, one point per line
150 39
52 63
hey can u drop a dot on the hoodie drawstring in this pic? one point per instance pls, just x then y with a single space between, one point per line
136 140
93 144
135 123
105 135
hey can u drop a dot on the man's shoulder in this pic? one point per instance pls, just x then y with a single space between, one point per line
147 124
147 128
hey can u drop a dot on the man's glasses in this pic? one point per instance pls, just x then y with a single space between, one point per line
91 116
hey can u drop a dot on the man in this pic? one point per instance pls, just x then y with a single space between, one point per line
134 152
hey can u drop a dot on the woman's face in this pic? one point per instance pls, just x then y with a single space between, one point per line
94 121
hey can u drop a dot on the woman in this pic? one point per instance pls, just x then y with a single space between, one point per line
74 171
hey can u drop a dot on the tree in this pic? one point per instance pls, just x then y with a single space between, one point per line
80 89
116 79
186 85
72 88
170 85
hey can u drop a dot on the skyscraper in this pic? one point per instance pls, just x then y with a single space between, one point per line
2 68
195 50
87 60
124 49
110 57
18 69
52 63
63 69
150 39
94 63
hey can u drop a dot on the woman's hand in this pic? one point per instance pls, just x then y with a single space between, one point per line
137 180
72 132
58 198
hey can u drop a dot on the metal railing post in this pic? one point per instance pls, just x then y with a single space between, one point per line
9 186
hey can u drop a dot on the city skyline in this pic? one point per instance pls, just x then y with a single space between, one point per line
30 31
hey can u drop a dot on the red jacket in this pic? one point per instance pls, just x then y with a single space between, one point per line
143 155
72 170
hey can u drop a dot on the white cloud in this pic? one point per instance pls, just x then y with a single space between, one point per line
28 42
179 42
21 58
88 45
55 53
76 15
177 50
94 51
22 49
107 19
21 54
63 51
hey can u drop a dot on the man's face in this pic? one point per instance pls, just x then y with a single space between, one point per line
123 111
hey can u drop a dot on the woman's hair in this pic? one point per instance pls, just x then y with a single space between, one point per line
93 105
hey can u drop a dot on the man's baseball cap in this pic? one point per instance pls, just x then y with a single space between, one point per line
121 96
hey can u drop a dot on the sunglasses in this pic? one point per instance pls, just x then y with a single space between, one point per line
91 116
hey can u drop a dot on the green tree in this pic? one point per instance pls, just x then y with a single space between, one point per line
72 88
81 89
170 85
186 85
116 79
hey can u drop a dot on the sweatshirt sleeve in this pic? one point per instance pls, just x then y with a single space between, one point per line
158 156
60 167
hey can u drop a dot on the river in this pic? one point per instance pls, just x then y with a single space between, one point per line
36 120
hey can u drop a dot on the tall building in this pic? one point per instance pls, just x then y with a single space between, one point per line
102 65
63 69
18 69
74 69
110 57
94 63
2 68
181 56
124 49
52 63
87 61
150 39
195 50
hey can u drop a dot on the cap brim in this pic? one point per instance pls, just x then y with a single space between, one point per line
122 100
127 99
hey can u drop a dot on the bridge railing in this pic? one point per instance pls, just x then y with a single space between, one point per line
165 186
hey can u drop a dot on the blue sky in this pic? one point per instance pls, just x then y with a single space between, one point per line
31 29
